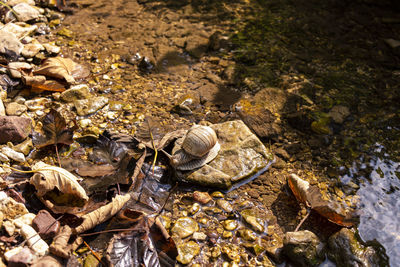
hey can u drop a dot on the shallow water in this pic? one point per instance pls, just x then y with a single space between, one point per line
379 204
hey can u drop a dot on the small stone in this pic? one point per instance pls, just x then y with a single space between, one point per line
212 210
230 225
111 115
247 234
31 50
187 251
24 219
89 106
76 92
194 208
15 109
339 113
52 49
215 252
304 248
2 109
116 105
24 147
12 209
14 67
20 30
201 197
85 123
184 227
65 32
26 12
9 227
14 129
3 158
232 252
12 154
23 258
34 241
225 205
9 44
12 252
227 234
37 104
217 194
199 236
256 223
45 224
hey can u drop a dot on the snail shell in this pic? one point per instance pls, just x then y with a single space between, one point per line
199 147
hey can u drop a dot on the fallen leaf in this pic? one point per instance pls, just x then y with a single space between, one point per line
57 188
55 131
312 198
51 86
62 68
102 214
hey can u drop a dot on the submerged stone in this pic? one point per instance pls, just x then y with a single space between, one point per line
88 106
184 227
187 251
241 155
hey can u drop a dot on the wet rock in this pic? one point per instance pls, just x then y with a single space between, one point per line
15 109
251 218
45 225
12 154
14 67
21 29
52 49
30 50
217 194
194 208
247 234
23 258
89 106
230 225
76 92
199 236
241 154
9 44
37 104
14 129
184 227
201 197
187 251
225 205
345 250
321 126
65 32
304 248
232 252
339 113
259 119
24 12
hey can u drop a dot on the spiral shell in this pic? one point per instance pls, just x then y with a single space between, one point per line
199 147
199 140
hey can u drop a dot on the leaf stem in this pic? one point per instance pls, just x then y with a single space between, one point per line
303 220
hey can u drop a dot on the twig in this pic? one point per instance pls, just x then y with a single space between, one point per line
93 252
303 220
10 8
155 150
58 156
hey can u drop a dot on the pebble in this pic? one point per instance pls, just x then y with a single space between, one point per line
45 224
184 227
34 241
23 258
24 219
10 43
230 225
15 109
187 251
250 218
217 194
37 104
85 123
9 227
13 68
14 129
111 115
52 49
232 252
247 234
12 154
2 109
194 208
25 13
3 158
86 107
12 252
202 197
30 50
200 236
225 205
76 92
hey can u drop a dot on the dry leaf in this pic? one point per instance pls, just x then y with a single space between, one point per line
61 68
312 198
57 188
60 242
55 131
102 214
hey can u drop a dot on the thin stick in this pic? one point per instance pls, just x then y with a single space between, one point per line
93 252
58 156
155 151
303 220
14 169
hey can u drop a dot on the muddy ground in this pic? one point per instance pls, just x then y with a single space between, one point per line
227 55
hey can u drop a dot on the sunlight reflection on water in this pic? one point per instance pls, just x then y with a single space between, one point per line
379 202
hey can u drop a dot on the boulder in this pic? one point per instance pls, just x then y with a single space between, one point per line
241 155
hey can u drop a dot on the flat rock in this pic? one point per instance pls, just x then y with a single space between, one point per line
88 106
20 29
76 92
14 129
9 44
31 50
45 224
15 109
13 68
242 154
12 154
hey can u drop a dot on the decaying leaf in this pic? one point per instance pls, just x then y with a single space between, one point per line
102 214
62 68
57 188
312 198
55 131
60 243
143 246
